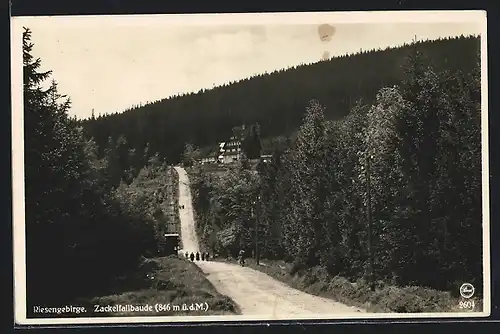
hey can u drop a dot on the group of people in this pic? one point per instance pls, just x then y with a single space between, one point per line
204 256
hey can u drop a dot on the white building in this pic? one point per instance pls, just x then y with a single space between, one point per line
231 151
210 159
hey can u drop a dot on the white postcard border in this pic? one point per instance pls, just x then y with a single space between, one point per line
232 19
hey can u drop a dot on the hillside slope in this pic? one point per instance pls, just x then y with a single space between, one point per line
277 101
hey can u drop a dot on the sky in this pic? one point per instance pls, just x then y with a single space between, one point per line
111 63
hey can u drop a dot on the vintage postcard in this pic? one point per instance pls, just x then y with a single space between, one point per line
232 167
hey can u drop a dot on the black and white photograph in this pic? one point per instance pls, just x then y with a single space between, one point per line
232 167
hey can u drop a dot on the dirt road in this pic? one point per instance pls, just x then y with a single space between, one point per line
255 292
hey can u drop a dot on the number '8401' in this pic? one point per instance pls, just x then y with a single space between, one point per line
467 304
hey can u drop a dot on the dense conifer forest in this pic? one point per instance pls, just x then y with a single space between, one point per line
276 101
392 191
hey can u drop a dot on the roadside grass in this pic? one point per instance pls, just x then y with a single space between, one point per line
166 281
385 298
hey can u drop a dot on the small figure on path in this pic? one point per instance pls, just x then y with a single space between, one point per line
197 256
203 256
206 257
241 257
187 255
192 257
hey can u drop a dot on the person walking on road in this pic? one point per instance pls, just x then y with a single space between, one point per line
203 256
241 257
192 256
197 256
206 257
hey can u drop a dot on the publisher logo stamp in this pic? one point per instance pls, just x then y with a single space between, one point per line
467 290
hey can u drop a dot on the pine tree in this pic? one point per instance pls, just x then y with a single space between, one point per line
188 155
270 206
418 126
133 165
309 194
457 191
386 180
54 177
73 225
113 170
252 142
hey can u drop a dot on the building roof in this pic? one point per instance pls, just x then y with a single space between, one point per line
238 131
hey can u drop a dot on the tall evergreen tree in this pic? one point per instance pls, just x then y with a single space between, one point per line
113 170
309 194
73 225
54 173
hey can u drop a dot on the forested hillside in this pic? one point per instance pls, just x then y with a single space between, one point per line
276 101
392 192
